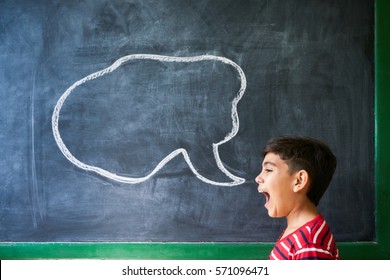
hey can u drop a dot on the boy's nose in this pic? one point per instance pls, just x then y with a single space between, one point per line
258 179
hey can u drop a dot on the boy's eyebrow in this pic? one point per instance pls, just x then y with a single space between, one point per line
269 163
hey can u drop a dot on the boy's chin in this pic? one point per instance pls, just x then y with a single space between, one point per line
274 214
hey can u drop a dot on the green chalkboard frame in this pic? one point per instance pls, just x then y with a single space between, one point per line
379 249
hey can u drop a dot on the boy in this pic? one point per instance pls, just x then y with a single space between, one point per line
296 172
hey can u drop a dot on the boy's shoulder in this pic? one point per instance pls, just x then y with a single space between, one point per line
314 231
315 224
313 240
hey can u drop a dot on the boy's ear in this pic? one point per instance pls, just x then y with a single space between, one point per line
301 180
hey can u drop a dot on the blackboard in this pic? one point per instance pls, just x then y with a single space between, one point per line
172 101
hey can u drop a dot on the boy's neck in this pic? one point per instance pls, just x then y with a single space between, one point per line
300 216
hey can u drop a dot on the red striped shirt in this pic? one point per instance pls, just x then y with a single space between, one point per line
312 241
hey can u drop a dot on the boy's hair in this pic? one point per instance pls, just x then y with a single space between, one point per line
304 153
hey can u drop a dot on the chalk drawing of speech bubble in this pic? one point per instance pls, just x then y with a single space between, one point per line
131 180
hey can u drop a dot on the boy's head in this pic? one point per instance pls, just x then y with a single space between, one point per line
311 155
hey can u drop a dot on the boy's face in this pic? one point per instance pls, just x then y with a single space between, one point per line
276 183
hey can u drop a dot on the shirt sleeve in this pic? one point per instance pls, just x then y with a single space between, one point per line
313 252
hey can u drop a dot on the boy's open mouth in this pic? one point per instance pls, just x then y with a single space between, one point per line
267 197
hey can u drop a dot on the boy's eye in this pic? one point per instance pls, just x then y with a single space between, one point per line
267 170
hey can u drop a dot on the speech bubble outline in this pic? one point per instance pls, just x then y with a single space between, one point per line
131 180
